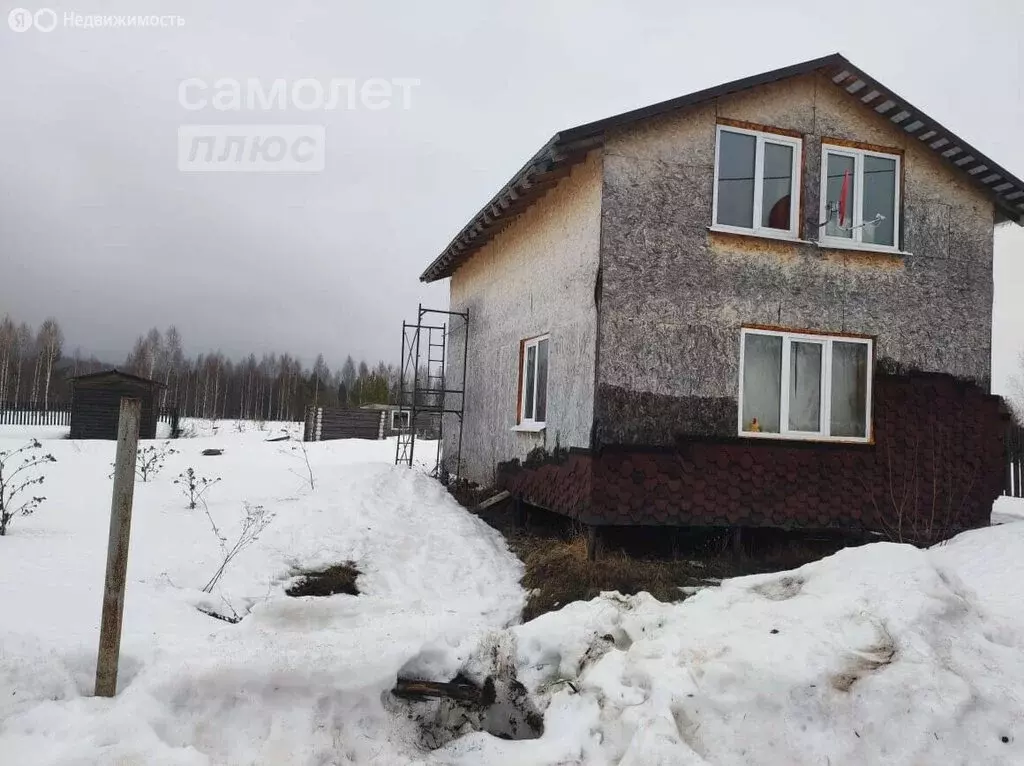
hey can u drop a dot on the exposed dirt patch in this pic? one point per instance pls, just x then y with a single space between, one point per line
340 578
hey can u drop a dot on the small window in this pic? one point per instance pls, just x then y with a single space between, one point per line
533 385
860 200
796 386
399 420
757 182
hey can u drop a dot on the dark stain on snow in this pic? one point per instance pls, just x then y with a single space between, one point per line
339 578
781 589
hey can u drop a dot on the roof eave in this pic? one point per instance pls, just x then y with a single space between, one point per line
567 147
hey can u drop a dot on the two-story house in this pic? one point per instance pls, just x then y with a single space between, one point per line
764 304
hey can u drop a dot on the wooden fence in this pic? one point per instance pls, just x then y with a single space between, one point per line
324 423
1015 462
26 414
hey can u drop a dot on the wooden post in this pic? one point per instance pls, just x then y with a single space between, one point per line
117 547
737 543
520 514
594 546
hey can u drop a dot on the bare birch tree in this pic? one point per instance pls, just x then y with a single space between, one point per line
50 343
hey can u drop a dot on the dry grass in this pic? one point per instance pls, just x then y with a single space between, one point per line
659 561
340 578
558 572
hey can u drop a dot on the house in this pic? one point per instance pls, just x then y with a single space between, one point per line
766 304
96 403
396 420
369 421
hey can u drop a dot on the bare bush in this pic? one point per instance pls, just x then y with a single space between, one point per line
257 518
149 461
193 486
921 500
307 475
19 470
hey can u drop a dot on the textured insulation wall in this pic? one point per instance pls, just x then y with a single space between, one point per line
537 276
674 294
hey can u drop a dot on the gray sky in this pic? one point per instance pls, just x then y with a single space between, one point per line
100 229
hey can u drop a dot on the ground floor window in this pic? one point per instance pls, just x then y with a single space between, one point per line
399 420
800 385
533 382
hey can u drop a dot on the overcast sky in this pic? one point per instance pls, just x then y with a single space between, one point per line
99 228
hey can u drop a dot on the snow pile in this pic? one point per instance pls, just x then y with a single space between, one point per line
1007 510
299 680
879 654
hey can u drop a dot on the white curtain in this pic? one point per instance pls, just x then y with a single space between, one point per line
805 386
849 388
762 382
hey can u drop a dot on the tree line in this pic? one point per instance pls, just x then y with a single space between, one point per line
34 370
28 360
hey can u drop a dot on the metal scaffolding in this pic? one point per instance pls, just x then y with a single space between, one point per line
426 394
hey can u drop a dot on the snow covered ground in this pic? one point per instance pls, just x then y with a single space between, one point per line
882 654
300 680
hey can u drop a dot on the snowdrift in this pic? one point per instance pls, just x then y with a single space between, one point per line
883 654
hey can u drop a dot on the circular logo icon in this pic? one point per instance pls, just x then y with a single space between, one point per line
20 20
45 20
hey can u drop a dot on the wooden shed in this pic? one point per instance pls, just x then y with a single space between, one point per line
96 403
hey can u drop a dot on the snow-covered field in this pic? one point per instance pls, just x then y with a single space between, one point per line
882 654
299 680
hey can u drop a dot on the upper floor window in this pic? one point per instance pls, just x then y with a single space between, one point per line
757 182
805 386
533 383
860 198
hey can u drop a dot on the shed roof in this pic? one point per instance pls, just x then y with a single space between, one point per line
114 373
555 159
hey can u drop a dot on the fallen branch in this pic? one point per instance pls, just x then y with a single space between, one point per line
460 689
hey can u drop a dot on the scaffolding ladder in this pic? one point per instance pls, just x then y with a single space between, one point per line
426 393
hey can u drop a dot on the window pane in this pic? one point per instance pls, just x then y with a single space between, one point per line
736 179
805 386
542 381
839 171
879 199
849 388
762 382
778 185
531 367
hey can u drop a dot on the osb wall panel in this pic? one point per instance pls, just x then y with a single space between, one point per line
675 295
535 277
936 467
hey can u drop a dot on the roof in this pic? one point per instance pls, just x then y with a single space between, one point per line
117 373
555 159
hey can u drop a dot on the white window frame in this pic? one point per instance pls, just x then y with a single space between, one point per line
400 427
794 209
526 423
856 241
825 408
